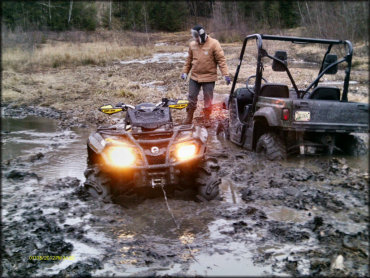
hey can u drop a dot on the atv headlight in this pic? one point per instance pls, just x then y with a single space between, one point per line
121 156
185 151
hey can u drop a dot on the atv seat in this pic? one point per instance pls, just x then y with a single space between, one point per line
274 90
325 93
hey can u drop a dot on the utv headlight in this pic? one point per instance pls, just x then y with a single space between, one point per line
185 151
121 156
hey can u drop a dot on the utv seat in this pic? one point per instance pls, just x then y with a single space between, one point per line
243 97
325 93
274 90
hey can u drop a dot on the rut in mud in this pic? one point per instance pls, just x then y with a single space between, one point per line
302 216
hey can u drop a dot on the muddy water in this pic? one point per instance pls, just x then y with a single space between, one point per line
274 218
63 150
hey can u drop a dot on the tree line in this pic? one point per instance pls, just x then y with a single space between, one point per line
348 19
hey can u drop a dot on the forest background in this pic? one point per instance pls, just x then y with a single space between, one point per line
229 21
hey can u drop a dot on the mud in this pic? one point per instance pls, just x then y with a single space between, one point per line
304 216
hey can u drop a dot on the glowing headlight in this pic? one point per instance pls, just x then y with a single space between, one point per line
185 151
121 156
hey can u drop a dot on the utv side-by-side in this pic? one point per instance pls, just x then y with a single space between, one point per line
278 118
146 150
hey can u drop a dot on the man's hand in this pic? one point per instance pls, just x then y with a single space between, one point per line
183 76
228 80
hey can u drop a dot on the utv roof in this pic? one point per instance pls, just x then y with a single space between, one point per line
302 40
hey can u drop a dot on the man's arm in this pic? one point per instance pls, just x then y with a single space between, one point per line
187 66
221 60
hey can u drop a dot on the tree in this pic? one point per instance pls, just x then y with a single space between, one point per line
52 15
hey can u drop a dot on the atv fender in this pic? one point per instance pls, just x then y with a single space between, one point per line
96 142
269 114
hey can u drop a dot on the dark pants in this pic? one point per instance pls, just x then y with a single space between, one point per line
194 88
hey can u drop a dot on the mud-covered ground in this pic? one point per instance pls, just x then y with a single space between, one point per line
304 216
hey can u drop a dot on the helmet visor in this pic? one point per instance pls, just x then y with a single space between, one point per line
194 33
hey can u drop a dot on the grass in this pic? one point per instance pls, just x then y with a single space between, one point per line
71 49
81 75
70 54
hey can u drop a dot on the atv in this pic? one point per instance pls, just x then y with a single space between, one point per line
145 150
313 118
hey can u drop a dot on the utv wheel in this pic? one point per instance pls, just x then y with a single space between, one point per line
272 146
208 181
97 184
352 145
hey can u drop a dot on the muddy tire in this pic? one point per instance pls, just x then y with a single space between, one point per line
272 146
208 181
97 184
352 145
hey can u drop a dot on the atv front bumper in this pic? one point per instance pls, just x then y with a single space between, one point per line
153 158
155 175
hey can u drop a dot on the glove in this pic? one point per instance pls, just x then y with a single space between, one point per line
228 80
183 76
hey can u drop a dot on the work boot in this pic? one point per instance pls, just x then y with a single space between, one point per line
189 116
207 117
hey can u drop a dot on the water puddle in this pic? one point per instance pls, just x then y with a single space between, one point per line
158 85
301 63
167 57
330 83
231 259
285 214
63 153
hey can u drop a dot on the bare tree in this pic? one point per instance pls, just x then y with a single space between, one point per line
146 21
336 19
49 11
70 10
110 14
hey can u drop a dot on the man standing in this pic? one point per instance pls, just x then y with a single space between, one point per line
205 53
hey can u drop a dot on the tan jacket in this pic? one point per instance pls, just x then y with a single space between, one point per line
203 60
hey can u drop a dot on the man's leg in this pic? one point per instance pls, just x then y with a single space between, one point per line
194 88
208 98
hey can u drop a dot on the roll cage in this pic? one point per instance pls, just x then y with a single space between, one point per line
300 93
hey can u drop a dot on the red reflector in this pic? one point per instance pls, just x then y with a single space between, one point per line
285 114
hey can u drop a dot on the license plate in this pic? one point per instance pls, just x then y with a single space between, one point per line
302 116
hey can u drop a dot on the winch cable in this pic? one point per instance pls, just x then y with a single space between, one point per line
177 225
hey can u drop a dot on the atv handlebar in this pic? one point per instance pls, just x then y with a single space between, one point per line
124 106
119 107
165 103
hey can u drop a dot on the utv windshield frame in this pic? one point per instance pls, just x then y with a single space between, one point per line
300 93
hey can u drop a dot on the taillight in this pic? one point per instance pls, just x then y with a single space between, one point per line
286 114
